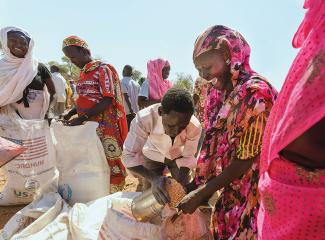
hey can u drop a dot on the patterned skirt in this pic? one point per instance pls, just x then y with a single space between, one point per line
109 134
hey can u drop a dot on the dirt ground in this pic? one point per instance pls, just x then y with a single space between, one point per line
7 212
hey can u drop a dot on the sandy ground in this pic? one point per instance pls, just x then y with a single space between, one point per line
7 212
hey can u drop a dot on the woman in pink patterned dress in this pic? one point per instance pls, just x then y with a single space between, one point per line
237 107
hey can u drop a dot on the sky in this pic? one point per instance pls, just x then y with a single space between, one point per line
134 31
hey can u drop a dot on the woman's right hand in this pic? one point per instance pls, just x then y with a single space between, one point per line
159 190
191 202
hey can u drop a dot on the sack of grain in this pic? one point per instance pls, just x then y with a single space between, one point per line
185 227
34 171
81 161
9 150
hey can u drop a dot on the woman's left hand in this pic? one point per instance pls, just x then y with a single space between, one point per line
76 121
191 202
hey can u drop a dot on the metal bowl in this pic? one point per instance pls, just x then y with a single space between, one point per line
145 206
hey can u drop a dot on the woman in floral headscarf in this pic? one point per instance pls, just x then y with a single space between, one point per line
292 182
100 99
238 106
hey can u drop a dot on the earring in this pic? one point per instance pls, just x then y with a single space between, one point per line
228 61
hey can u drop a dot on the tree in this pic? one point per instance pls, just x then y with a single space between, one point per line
73 71
141 80
136 75
67 68
184 81
63 68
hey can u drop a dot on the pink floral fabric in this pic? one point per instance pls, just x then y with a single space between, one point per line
235 124
200 89
293 198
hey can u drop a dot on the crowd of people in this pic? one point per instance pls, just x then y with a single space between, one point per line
263 151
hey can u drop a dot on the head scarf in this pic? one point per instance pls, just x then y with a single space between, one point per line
74 41
301 102
219 37
15 73
157 85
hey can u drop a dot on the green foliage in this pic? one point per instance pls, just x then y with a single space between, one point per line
67 68
184 81
136 75
141 80
63 69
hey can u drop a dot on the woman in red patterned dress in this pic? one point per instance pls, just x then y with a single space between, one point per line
100 99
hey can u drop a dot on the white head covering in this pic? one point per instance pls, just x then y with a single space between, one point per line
15 73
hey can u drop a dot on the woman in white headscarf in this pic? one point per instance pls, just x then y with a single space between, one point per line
25 84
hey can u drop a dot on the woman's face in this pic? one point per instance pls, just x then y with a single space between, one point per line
77 56
165 72
211 65
18 44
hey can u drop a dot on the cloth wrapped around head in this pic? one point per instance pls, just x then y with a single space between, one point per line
222 38
303 93
75 41
15 73
158 86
